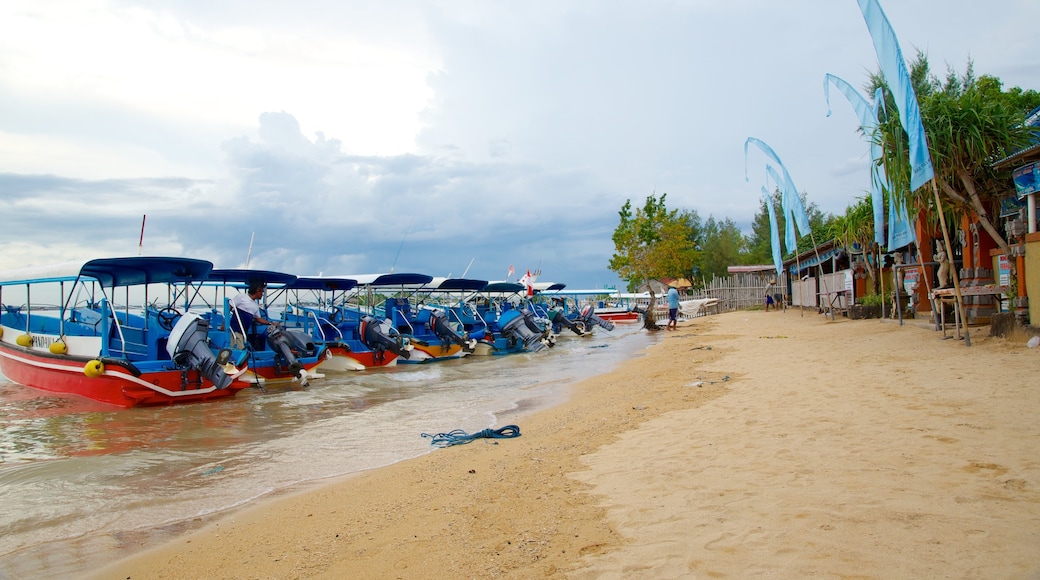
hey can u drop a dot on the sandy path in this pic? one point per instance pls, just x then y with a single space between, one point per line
747 444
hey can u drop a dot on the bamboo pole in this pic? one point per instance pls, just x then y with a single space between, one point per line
959 315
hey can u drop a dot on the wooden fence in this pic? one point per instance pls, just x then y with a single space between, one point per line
739 291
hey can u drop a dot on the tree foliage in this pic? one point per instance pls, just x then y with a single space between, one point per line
654 242
970 123
723 246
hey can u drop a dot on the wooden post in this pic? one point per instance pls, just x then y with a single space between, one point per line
959 315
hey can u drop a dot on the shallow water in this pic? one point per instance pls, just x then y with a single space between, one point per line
80 479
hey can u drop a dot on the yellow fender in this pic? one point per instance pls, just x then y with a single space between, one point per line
59 347
94 369
24 340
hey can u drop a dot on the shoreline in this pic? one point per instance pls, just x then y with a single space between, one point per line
727 448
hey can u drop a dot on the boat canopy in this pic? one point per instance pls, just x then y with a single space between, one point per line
457 284
245 275
504 287
402 279
585 292
129 271
548 286
321 283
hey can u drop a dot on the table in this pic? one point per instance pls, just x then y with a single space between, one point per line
949 296
834 297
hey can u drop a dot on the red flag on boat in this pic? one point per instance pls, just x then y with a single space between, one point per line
511 272
529 282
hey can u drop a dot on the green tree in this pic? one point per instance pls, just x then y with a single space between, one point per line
654 242
856 228
722 246
759 248
969 123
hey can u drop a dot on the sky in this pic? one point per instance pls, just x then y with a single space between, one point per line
447 137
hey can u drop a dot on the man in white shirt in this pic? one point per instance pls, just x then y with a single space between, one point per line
246 309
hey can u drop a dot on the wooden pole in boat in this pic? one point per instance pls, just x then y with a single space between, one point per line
140 241
249 253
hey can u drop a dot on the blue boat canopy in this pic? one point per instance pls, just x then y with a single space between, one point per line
110 272
317 283
402 279
505 287
245 275
458 284
135 271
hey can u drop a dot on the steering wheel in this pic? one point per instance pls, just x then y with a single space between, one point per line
336 316
168 317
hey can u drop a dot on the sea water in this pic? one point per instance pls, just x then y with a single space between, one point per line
79 480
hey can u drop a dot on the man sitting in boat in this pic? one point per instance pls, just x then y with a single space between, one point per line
245 314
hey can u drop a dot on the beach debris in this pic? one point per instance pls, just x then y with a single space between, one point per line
213 470
701 348
460 437
1033 342
697 384
640 408
777 336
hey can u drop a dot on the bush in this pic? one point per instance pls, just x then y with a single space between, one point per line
871 300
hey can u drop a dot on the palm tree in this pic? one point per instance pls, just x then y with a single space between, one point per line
856 228
969 123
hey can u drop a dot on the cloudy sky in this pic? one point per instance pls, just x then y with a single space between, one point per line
348 136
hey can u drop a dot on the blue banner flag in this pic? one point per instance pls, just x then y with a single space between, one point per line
790 240
893 67
900 230
774 233
797 210
868 115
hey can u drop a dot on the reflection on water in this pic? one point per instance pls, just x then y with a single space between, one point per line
72 469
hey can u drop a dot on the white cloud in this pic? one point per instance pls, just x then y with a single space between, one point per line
341 132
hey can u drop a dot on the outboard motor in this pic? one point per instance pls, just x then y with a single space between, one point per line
442 328
515 326
289 345
558 318
588 315
188 346
374 335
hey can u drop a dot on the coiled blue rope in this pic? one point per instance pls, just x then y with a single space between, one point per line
459 437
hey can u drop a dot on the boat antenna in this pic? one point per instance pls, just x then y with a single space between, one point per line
140 241
249 254
466 271
406 232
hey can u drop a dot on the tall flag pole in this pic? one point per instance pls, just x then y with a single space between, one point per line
140 241
893 67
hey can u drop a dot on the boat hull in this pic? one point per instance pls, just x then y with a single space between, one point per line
118 385
427 352
618 315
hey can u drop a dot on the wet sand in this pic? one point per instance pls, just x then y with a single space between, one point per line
747 444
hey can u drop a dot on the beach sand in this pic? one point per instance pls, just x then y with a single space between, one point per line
745 444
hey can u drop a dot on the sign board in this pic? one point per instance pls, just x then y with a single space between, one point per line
1027 179
910 280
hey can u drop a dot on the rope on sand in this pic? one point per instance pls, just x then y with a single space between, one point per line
459 437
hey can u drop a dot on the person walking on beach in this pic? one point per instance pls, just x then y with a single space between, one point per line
770 301
673 308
